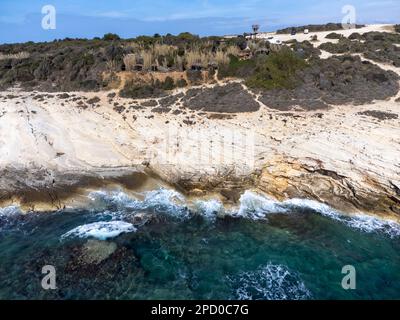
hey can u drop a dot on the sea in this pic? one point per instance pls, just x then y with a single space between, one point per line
161 245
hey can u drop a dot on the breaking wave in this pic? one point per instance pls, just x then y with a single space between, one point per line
158 201
119 206
100 230
251 206
269 282
9 211
10 217
257 207
210 210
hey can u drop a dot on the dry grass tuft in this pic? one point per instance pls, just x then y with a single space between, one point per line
17 56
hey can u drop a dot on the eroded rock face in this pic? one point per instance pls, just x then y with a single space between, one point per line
306 178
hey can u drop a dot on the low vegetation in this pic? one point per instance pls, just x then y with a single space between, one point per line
377 46
334 35
277 70
14 56
284 76
80 64
316 28
156 88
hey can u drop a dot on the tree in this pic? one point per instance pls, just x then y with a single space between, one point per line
111 37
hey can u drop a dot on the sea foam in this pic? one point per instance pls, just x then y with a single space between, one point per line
269 282
256 207
210 210
251 206
157 201
9 211
100 230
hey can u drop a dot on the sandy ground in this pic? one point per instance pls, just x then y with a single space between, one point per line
321 35
64 138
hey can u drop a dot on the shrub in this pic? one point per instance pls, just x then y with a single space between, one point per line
134 90
111 37
334 35
355 36
168 84
181 83
236 68
187 36
397 28
195 77
276 71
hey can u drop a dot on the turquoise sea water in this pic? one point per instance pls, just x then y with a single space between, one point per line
164 247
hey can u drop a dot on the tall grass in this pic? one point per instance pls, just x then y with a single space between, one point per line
232 50
166 55
163 50
222 58
17 56
148 59
130 61
112 65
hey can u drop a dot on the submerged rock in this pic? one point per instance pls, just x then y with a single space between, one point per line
95 251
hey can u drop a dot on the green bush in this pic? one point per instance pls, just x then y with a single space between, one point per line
397 28
155 89
333 35
168 84
236 68
136 91
187 36
111 37
276 71
181 83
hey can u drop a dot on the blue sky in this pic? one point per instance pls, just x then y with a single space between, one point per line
20 20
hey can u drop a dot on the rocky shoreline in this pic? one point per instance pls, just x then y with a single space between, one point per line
343 156
332 139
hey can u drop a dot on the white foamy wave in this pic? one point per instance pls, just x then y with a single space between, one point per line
9 211
256 207
164 200
118 205
361 222
312 205
269 282
371 224
9 218
100 230
210 209
159 201
116 198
